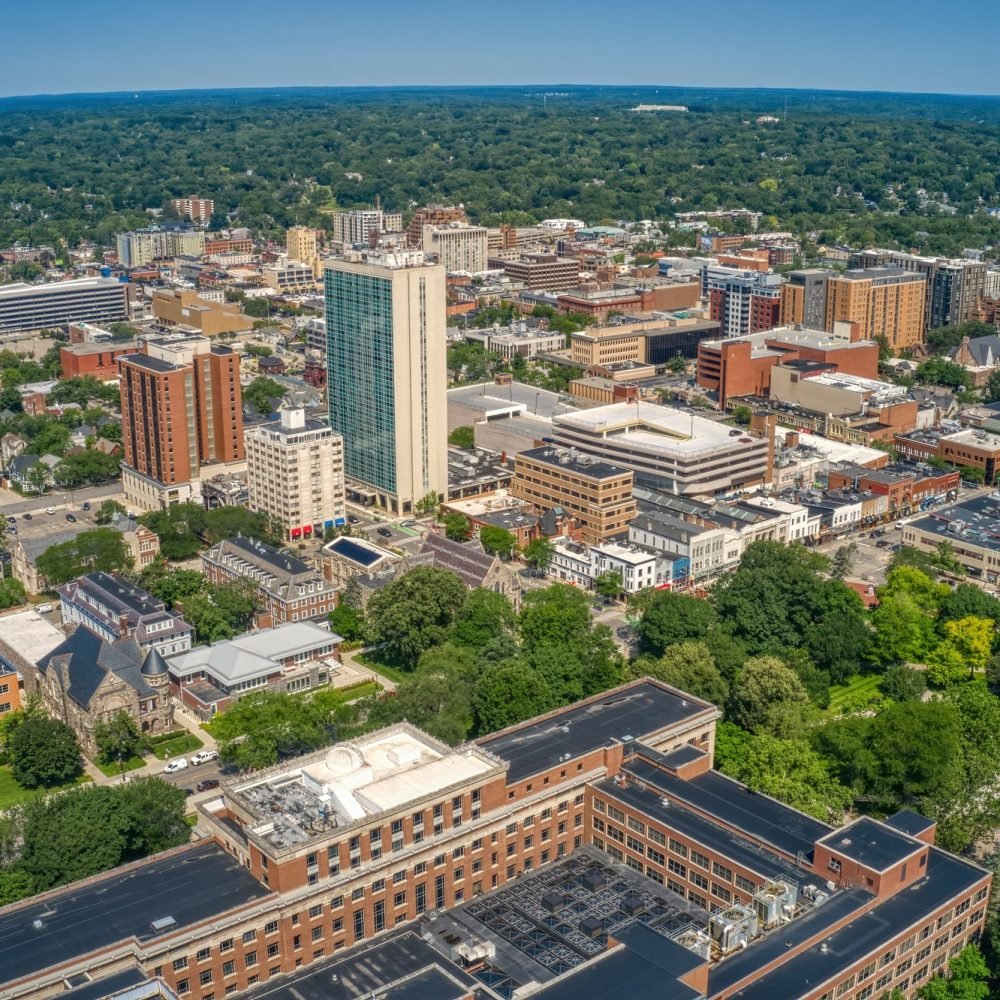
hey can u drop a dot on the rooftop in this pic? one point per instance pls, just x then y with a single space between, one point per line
639 710
293 803
764 344
55 287
875 845
185 887
29 635
355 550
515 398
650 427
573 460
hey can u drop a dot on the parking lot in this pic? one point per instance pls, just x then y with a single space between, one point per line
38 524
871 560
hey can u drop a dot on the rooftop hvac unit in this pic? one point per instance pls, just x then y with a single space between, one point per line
697 941
733 928
774 903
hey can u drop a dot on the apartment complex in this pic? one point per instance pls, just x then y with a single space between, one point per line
288 589
742 366
357 226
803 298
116 609
184 307
194 208
290 276
301 246
741 301
458 247
10 688
295 474
386 375
181 408
666 448
886 303
83 300
954 287
433 215
540 271
585 849
142 247
597 494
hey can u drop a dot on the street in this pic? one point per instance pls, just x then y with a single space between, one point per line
13 503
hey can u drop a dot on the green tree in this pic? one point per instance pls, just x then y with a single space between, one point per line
509 693
456 527
769 698
155 810
609 585
843 559
100 550
265 727
670 618
117 737
538 553
788 770
427 504
264 395
689 666
414 613
902 683
497 541
178 528
43 752
12 592
348 622
108 510
485 616
86 467
966 647
463 437
968 978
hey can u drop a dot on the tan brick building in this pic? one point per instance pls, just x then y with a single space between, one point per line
884 302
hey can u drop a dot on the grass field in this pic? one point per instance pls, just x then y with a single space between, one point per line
113 769
12 794
182 744
855 689
392 673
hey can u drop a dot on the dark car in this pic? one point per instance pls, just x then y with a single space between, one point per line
27 517
12 520
188 791
208 784
385 532
71 517
86 506
351 519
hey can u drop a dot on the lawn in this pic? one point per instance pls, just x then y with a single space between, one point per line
12 794
857 689
114 768
182 743
392 673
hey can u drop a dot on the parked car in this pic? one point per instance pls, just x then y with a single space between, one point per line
12 520
207 784
86 505
27 517
203 756
50 510
175 765
12 529
351 519
71 518
44 609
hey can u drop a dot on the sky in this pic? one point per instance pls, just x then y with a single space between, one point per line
65 46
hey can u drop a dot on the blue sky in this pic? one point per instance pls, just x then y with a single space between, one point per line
64 46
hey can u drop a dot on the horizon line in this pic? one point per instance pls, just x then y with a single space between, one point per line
485 86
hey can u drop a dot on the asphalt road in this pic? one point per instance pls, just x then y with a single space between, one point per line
189 777
60 499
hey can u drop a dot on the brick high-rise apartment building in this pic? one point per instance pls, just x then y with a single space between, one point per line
181 409
194 208
886 303
432 215
532 853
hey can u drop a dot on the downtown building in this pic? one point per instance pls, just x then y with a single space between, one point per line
742 302
386 375
462 249
181 409
588 848
82 300
295 474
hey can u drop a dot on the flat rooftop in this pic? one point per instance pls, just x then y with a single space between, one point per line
639 710
516 398
875 845
652 428
758 817
29 635
55 287
293 803
398 966
836 451
574 461
769 341
188 887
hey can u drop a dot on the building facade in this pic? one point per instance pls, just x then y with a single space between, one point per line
541 271
295 474
386 374
181 408
97 359
458 247
287 589
742 302
83 300
887 304
596 493
184 307
194 208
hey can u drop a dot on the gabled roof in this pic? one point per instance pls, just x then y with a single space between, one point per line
469 562
88 660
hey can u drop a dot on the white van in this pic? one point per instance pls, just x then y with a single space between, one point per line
44 609
175 765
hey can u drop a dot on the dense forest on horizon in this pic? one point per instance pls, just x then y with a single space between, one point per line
913 171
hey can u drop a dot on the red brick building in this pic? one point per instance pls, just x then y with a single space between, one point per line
99 360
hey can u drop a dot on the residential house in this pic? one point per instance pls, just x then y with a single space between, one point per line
11 446
20 475
143 543
24 553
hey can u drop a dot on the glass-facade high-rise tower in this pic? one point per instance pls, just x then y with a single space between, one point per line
386 375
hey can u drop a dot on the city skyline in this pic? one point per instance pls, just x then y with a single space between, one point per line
450 45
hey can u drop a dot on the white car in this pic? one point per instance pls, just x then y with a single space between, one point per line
175 765
203 756
50 510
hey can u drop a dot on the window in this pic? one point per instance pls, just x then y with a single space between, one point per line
226 945
337 902
206 977
358 893
183 986
636 825
616 814
721 892
271 927
204 954
655 856
180 963
399 899
317 932
745 884
359 924
722 871
229 968
250 958
699 880
273 949
249 937
699 859
316 911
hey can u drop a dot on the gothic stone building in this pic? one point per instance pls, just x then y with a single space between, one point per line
86 679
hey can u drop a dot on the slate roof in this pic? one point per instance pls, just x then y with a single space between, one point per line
985 350
19 466
89 659
470 563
